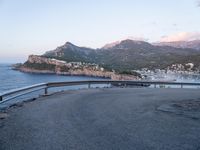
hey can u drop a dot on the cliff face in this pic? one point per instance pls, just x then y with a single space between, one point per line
38 64
40 60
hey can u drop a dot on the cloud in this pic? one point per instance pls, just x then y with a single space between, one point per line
182 36
198 3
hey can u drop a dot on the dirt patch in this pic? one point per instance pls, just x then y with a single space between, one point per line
3 115
189 105
187 108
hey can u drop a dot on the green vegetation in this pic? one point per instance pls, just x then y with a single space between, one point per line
128 72
41 66
133 57
64 69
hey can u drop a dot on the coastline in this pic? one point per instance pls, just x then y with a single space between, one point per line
43 65
87 73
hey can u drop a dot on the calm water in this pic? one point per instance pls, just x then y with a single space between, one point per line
11 79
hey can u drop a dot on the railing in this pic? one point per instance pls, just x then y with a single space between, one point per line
45 86
9 95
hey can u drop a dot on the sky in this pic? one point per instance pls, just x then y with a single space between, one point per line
35 26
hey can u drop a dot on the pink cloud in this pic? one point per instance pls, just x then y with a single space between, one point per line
182 36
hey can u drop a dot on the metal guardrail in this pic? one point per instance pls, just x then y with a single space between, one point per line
9 95
45 86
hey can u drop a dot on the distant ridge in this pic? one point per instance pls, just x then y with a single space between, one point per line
129 55
181 44
110 45
70 52
126 44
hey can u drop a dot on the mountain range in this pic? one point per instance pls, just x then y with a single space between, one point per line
132 55
181 44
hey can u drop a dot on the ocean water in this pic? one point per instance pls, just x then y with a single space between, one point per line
12 79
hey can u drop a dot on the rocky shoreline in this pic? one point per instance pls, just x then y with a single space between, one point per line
38 64
106 75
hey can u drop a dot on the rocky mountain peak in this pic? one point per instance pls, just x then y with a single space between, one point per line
128 41
68 45
195 44
127 55
126 44
110 45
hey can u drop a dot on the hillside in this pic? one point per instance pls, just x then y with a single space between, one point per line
72 53
195 44
40 64
128 55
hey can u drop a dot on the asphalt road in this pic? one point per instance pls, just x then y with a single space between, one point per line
106 119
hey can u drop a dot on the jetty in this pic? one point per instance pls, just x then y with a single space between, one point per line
123 115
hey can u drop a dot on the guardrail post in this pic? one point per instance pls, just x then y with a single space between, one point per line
181 85
46 91
89 86
1 98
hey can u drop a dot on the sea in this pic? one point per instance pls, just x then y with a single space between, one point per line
11 79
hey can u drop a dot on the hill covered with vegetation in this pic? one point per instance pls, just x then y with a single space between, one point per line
129 55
